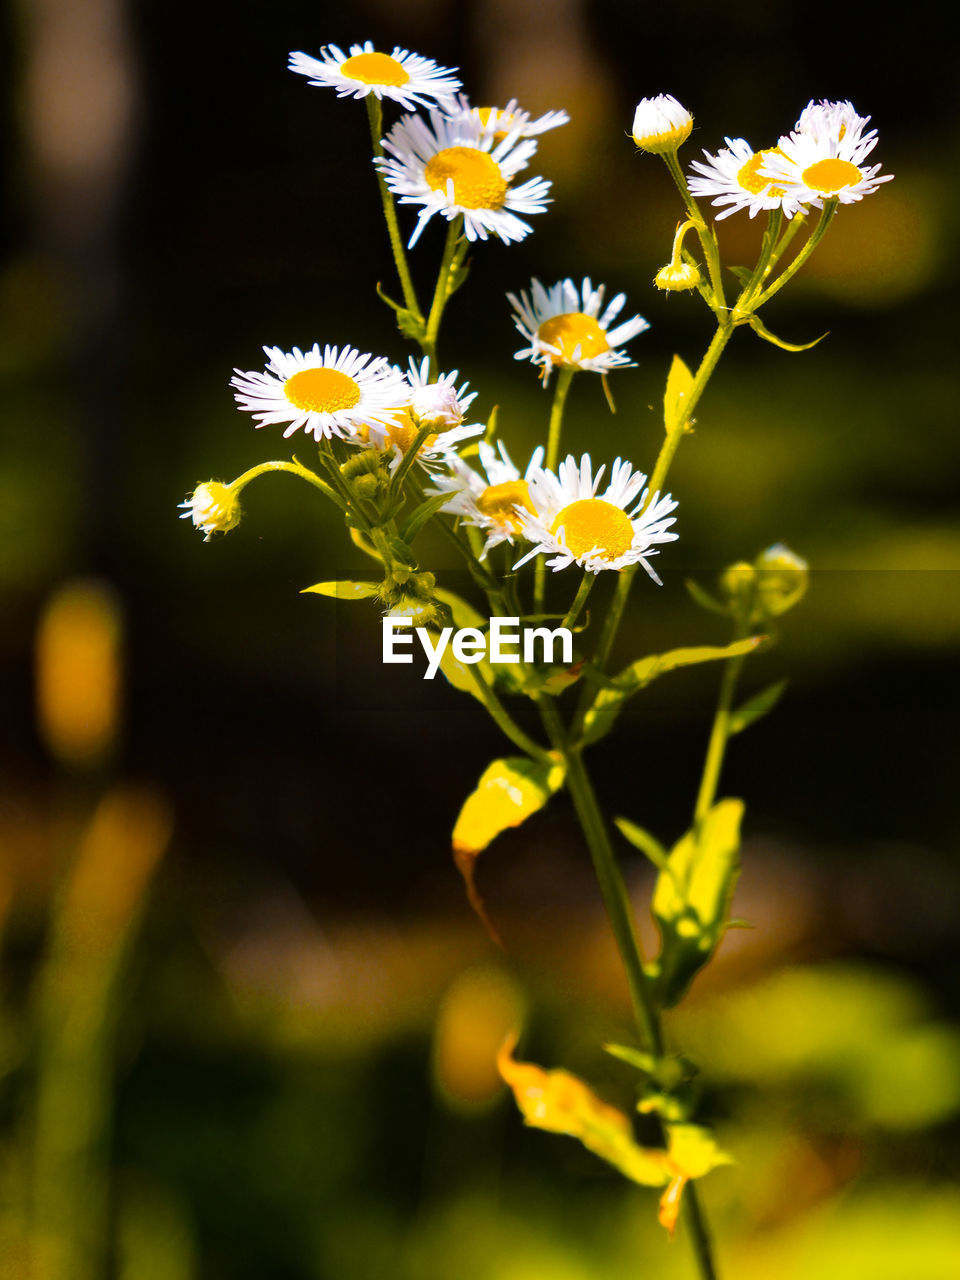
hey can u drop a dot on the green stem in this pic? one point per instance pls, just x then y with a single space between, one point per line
294 468
505 721
657 481
454 250
763 267
375 117
612 888
699 1235
720 732
796 222
580 599
560 391
826 217
708 240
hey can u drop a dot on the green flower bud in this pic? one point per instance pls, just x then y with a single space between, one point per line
782 579
676 277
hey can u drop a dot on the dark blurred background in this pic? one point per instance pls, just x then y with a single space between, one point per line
299 1011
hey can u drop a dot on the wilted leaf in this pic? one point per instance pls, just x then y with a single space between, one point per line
606 705
756 707
679 385
691 899
344 590
508 792
561 1103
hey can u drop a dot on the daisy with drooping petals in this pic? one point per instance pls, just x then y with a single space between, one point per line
489 504
403 76
661 124
734 177
823 158
330 393
565 326
575 526
453 166
438 405
502 121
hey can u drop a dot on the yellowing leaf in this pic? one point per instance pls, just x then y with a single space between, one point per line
561 1103
508 792
691 899
757 325
344 590
669 1208
679 386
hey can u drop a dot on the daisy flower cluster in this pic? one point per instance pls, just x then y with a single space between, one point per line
361 399
821 159
456 161
561 513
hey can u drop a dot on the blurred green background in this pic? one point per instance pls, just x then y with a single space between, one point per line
248 1018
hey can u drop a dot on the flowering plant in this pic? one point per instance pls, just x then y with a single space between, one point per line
396 454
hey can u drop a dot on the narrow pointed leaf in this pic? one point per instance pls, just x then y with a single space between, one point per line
419 517
648 845
704 599
606 707
757 325
679 384
756 707
344 590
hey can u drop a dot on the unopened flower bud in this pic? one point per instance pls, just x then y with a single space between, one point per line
677 276
435 404
738 582
782 578
213 507
661 124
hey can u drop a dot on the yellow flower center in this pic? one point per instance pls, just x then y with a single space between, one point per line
591 523
401 432
831 175
375 68
321 390
573 330
506 122
477 180
498 502
750 179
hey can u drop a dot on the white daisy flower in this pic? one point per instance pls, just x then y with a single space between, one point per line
565 326
213 507
453 166
490 504
733 177
661 124
502 121
335 392
403 76
575 526
435 404
823 158
836 122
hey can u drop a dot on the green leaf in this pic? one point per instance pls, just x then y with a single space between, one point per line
458 278
419 517
648 845
645 1062
344 590
410 324
691 900
743 274
509 791
756 707
606 706
459 674
757 325
704 599
679 385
